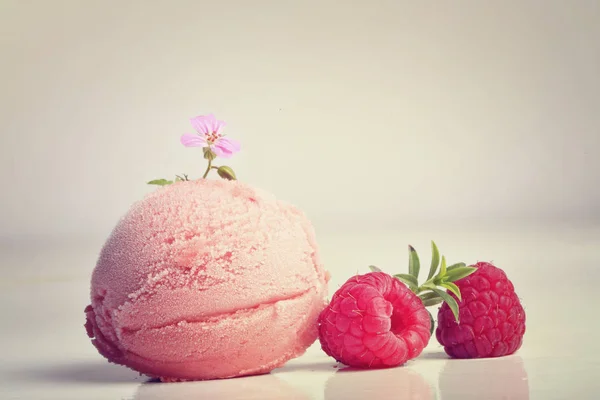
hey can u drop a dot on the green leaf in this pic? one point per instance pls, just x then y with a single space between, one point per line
374 268
458 273
435 260
410 280
453 288
443 267
413 262
457 265
439 278
450 300
432 302
160 182
428 296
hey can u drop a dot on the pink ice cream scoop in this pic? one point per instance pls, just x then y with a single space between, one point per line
207 279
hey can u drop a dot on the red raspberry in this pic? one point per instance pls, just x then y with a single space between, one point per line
492 320
373 321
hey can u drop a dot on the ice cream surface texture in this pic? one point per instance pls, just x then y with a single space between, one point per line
207 279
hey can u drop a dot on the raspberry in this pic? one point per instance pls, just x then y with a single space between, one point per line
374 321
492 319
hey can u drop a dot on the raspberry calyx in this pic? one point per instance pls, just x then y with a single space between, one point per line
440 278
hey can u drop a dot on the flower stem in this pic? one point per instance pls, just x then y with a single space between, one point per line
207 168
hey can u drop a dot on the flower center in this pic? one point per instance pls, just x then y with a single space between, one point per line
212 137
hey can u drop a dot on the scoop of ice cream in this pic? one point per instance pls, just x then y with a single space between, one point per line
207 279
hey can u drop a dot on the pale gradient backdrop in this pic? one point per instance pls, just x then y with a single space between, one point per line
365 114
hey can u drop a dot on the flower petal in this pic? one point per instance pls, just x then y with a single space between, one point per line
203 124
230 145
221 151
218 125
213 124
191 140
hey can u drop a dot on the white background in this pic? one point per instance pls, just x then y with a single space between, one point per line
474 123
362 113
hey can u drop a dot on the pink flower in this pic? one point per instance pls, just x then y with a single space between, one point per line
207 128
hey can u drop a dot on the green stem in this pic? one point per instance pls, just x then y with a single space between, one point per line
422 287
207 168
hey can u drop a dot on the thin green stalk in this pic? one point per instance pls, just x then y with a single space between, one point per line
207 168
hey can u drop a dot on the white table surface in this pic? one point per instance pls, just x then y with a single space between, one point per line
47 355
